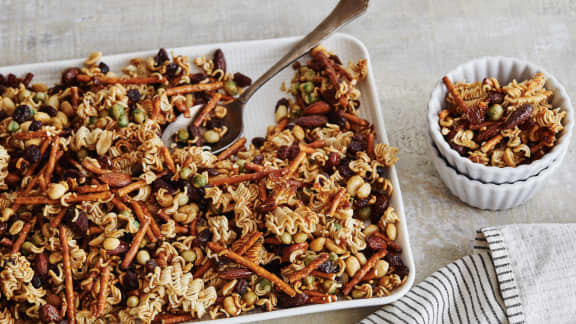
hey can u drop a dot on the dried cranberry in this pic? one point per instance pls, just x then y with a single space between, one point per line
495 97
69 75
379 207
161 57
196 194
358 144
219 60
78 221
282 152
258 159
104 68
336 118
286 301
215 123
22 114
258 141
32 153
104 161
328 267
402 270
344 169
528 124
293 151
197 77
394 260
458 148
50 314
130 281
242 80
172 70
360 203
164 182
134 95
151 265
212 172
204 236
35 125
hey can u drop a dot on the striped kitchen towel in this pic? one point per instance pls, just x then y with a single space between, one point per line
516 274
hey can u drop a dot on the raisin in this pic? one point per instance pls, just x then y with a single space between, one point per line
196 194
69 75
328 267
77 220
164 182
197 77
379 207
344 169
360 203
32 153
151 265
528 124
219 61
172 70
495 97
161 57
282 152
401 270
130 281
286 301
242 80
51 111
518 116
293 151
36 281
134 95
50 314
204 236
458 148
394 260
212 172
215 123
333 161
241 286
104 68
381 171
258 159
35 125
258 141
104 161
22 114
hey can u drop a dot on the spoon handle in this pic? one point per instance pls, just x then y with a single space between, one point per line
345 11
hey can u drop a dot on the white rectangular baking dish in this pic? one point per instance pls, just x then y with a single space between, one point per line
253 58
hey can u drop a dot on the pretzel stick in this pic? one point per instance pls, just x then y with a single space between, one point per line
199 87
119 204
131 187
58 219
272 241
35 200
93 196
113 80
321 299
93 168
242 177
355 119
316 144
168 159
252 266
6 242
262 189
202 269
311 148
239 144
95 230
173 319
156 108
282 124
254 167
139 211
71 311
489 145
22 236
319 274
459 102
295 163
165 217
371 145
181 107
153 225
30 135
180 229
207 109
363 271
254 237
135 243
103 293
370 275
298 275
74 97
336 201
93 188
51 160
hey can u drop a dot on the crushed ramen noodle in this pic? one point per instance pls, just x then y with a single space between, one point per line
502 126
101 223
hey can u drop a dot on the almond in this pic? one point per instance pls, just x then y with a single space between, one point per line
319 107
234 273
116 179
41 265
311 121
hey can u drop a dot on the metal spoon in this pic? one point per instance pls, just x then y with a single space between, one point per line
345 11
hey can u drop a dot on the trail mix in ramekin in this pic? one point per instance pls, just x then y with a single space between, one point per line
100 222
502 126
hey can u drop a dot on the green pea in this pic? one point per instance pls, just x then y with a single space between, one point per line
241 164
336 226
308 75
307 87
81 154
32 112
286 238
185 173
495 112
123 121
294 88
92 119
249 298
189 256
296 111
309 259
308 281
365 212
125 213
40 97
230 87
333 256
211 136
265 285
312 98
329 286
13 126
116 111
183 135
139 116
200 181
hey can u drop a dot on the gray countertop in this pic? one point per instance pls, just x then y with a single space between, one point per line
412 44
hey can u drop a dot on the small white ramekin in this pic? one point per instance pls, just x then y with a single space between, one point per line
488 195
504 69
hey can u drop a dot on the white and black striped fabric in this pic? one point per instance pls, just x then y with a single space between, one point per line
517 274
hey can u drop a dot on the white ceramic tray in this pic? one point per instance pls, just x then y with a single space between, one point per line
253 58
